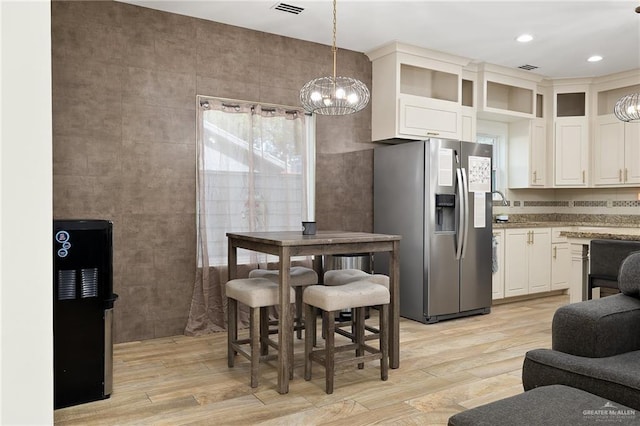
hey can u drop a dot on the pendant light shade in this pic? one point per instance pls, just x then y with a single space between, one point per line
334 95
628 107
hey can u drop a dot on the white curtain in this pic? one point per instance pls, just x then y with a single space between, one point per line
252 175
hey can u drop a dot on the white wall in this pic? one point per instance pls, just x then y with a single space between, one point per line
26 331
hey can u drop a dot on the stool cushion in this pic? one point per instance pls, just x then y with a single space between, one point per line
298 275
346 276
343 276
546 405
351 295
255 292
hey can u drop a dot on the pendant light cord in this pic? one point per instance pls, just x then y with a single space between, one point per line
334 49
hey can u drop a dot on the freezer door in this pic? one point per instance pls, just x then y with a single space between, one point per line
398 185
475 268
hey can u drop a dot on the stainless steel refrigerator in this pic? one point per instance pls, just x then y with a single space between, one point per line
436 194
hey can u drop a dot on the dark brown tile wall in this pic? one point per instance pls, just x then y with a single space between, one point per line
125 80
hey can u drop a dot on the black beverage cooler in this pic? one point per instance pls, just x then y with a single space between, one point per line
82 311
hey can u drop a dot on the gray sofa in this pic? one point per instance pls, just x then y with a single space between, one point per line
595 344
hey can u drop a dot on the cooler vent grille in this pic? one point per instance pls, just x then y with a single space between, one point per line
89 282
66 284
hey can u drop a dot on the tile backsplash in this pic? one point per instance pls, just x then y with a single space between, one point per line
609 201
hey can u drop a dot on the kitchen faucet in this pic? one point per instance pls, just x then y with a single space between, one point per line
504 199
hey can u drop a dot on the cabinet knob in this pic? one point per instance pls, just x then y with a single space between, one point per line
626 174
535 176
619 175
555 252
432 133
583 177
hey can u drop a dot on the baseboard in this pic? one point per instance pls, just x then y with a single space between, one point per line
528 297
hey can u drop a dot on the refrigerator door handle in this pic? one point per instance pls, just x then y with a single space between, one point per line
461 216
465 194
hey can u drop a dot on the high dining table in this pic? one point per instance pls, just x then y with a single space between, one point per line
292 243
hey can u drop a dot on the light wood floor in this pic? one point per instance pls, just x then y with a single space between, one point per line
444 368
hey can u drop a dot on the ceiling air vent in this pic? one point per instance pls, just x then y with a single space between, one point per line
527 67
296 10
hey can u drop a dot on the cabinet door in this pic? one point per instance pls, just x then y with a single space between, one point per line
538 153
571 151
498 276
527 154
560 266
608 151
424 117
632 152
516 263
540 260
469 124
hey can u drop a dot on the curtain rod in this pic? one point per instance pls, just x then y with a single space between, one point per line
236 103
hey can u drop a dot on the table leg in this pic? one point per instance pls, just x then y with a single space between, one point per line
394 306
285 325
232 261
318 267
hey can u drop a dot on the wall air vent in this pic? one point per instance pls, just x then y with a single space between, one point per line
527 67
296 10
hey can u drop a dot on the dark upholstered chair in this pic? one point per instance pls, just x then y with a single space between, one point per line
605 257
595 344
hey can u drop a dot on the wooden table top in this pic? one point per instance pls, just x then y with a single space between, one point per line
295 238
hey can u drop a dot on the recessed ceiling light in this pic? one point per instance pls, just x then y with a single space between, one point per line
594 58
524 38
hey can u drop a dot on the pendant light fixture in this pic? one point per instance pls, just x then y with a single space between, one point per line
334 95
628 107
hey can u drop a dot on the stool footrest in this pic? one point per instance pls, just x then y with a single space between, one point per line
374 354
349 335
240 350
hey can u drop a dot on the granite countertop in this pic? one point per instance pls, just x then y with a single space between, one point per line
579 229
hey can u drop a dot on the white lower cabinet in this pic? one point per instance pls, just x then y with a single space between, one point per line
560 260
527 261
498 273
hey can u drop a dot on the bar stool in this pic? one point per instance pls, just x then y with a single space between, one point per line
345 276
300 277
258 294
330 299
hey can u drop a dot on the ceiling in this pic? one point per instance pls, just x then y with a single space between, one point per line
565 33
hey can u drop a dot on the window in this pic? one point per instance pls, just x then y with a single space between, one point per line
255 173
491 140
495 133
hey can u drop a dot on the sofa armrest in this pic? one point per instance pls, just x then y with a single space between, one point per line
598 328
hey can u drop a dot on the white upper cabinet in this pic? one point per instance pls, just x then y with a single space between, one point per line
528 154
616 144
416 93
506 94
571 152
571 138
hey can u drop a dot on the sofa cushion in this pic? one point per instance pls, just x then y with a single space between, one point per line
629 275
548 405
616 378
599 327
